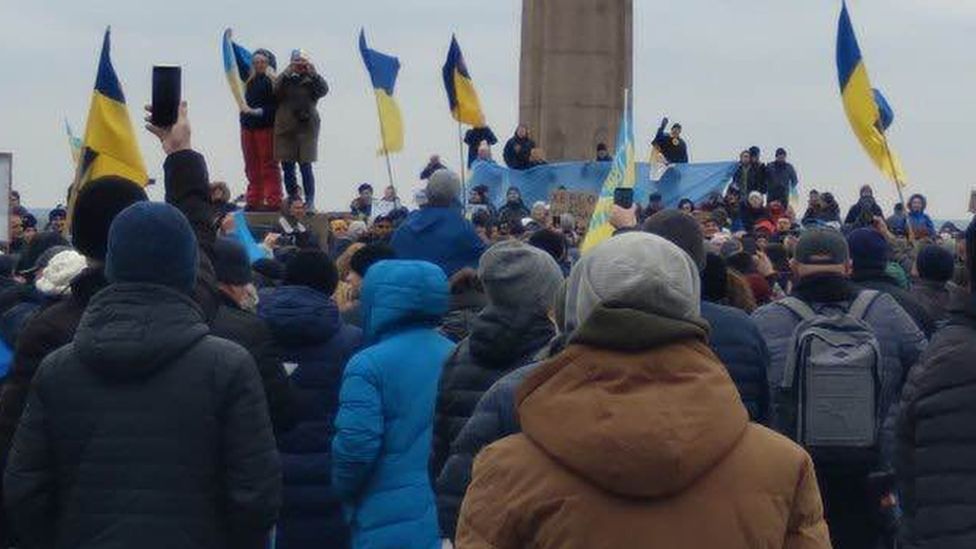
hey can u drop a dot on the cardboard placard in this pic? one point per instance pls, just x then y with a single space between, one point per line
579 204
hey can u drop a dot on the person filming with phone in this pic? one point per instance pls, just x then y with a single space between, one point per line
298 89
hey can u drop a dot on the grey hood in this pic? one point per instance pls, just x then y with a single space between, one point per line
637 271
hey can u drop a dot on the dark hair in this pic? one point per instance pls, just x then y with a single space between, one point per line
366 257
742 263
382 218
714 279
481 218
778 256
364 187
601 146
675 125
313 269
551 242
684 201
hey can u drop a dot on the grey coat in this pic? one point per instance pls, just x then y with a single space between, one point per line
297 121
901 341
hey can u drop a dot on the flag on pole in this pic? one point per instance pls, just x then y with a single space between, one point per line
237 67
867 110
110 146
461 95
383 70
74 143
622 174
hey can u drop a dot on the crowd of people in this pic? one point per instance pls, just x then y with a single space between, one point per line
726 373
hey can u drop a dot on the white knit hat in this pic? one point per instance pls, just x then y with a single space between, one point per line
56 278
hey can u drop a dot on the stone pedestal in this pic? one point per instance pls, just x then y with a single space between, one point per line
577 58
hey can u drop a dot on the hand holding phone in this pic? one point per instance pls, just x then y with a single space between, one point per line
166 92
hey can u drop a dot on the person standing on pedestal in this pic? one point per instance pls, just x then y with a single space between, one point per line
257 135
297 122
672 147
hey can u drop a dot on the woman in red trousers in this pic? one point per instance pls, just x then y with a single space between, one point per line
257 136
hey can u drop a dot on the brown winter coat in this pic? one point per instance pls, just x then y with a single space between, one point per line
297 121
640 448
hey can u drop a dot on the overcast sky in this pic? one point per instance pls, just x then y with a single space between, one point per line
734 73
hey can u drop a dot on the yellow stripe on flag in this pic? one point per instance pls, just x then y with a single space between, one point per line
468 105
391 122
110 134
862 112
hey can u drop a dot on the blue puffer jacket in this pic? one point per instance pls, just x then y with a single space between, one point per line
310 337
736 340
384 427
441 236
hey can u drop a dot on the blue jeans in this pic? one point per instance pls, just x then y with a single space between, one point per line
308 180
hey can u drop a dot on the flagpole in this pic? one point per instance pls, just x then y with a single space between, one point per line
898 185
386 152
464 192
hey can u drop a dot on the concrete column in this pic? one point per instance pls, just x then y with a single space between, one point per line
577 58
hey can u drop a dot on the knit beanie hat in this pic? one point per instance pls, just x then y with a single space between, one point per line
312 269
60 271
681 230
935 263
638 271
443 188
231 263
96 205
152 242
516 275
868 248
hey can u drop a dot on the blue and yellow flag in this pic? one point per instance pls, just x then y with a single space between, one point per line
461 95
110 146
383 70
237 67
74 143
622 174
867 111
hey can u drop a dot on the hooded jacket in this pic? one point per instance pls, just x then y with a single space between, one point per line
311 338
921 220
144 432
658 437
513 212
935 471
384 427
441 236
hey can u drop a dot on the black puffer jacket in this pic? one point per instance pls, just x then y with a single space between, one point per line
499 343
144 432
936 438
249 331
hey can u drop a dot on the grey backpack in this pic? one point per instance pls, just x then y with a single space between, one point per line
831 382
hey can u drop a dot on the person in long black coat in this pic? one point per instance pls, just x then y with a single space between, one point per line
145 431
935 471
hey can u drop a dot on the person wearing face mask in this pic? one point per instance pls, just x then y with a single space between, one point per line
237 321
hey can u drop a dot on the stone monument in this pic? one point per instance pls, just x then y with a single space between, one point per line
577 58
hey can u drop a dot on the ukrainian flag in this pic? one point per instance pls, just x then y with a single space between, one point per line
237 67
383 70
622 174
461 94
109 146
861 102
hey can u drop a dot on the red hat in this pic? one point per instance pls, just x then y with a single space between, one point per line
764 225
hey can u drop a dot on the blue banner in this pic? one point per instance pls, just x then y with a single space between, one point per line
694 181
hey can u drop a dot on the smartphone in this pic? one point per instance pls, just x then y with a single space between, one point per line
557 221
166 86
623 197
